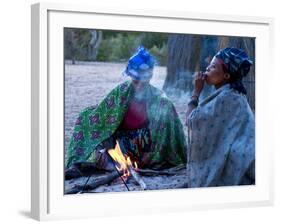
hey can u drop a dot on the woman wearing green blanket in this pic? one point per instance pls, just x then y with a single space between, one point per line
138 116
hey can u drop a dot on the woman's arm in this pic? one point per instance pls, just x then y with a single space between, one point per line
199 80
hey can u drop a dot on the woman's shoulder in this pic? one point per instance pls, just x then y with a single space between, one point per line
224 97
233 95
231 99
124 85
160 98
119 89
156 91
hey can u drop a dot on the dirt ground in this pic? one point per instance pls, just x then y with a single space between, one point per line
87 83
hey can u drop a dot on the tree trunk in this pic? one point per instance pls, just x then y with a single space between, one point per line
95 41
73 48
187 54
183 60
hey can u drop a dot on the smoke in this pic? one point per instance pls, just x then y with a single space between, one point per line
183 86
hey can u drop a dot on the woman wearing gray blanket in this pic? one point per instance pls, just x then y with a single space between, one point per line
221 128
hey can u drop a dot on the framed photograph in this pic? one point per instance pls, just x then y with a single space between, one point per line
114 111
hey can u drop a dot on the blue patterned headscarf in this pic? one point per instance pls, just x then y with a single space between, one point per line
140 65
237 63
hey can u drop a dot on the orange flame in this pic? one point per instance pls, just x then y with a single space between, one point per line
123 162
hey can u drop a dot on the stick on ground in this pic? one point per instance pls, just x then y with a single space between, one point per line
92 184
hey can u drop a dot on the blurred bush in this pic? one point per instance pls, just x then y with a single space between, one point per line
115 46
160 53
118 48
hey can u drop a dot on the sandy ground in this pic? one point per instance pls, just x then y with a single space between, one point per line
86 83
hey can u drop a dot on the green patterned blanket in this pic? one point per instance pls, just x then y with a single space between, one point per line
96 124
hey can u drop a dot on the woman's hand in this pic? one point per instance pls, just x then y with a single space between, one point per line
198 81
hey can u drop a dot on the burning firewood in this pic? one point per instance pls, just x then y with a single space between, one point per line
137 178
172 178
123 164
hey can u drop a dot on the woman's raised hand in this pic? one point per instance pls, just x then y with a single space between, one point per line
198 82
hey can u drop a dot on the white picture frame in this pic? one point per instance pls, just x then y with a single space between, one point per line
48 201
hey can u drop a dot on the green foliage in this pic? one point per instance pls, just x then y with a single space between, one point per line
76 44
151 40
116 46
119 46
83 39
160 54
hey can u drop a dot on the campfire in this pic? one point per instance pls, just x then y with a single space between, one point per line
124 165
125 169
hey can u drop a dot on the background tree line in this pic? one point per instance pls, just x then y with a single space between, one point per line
112 46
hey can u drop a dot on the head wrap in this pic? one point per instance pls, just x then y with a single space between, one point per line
140 65
237 63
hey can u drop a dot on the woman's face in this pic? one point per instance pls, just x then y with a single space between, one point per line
215 74
139 85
